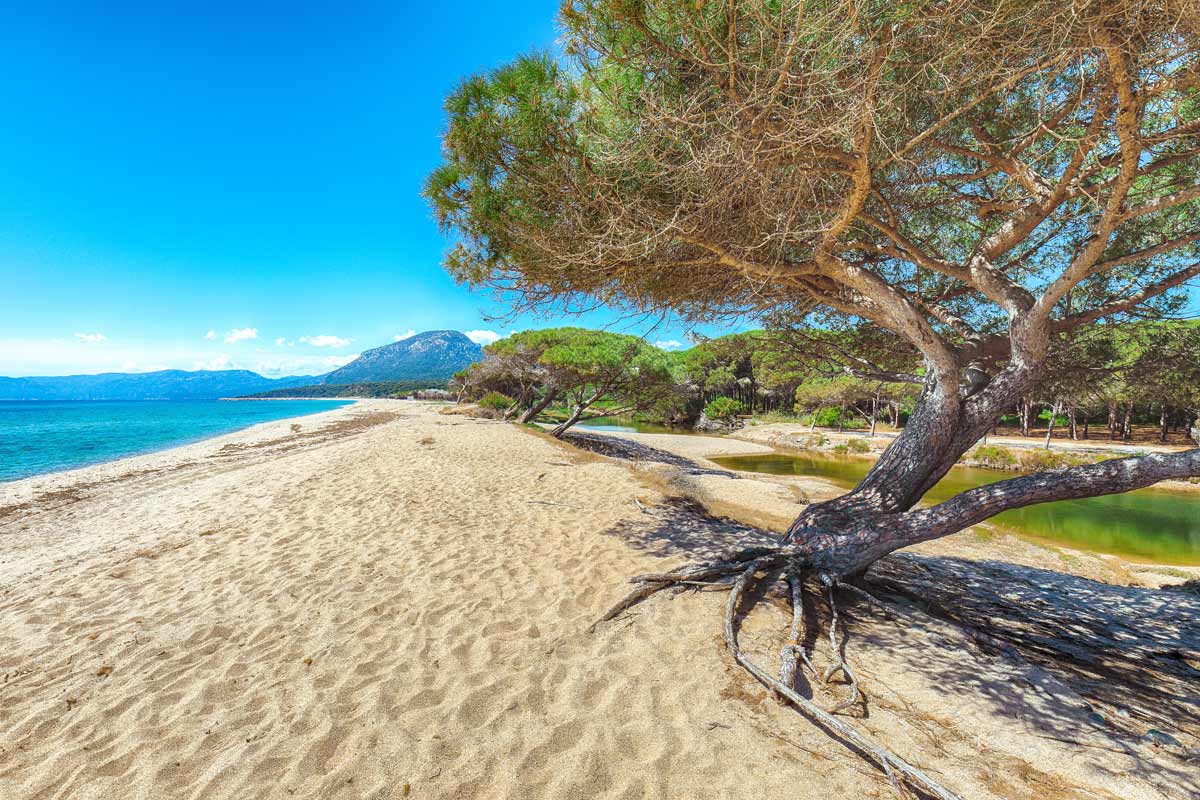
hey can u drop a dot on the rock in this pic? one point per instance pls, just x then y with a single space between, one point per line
706 424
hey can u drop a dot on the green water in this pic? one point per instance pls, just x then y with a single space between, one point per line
627 425
1150 524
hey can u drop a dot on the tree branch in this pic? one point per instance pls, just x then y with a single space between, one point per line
1091 480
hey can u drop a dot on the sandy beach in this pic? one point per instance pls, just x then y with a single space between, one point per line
383 601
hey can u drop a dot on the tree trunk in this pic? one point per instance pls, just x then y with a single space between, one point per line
1163 430
845 535
1086 424
1071 423
1050 427
1127 424
1026 412
531 413
1112 420
565 425
874 413
813 426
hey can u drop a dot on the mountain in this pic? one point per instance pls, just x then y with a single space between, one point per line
432 356
428 359
170 384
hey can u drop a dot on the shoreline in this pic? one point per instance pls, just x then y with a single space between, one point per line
25 490
782 437
394 597
776 512
54 473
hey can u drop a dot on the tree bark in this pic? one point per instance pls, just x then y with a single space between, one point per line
1112 420
1163 430
1054 409
562 427
1127 424
843 536
537 408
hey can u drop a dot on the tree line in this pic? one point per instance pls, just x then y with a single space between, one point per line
1114 378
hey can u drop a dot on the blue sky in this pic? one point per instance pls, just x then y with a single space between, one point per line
207 185
176 171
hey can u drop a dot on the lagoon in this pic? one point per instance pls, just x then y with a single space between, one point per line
1157 525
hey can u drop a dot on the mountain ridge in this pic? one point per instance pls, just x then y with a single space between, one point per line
167 384
430 357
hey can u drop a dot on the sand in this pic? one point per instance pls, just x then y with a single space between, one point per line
391 602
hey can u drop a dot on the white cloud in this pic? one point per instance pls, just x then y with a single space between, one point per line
91 338
408 334
71 356
218 363
669 344
325 340
211 335
238 334
283 341
483 337
298 365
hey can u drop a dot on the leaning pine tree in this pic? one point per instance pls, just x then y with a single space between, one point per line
980 177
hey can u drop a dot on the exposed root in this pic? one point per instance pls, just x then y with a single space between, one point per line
794 649
837 651
743 567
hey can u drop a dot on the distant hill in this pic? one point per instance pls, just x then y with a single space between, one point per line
423 361
366 389
429 358
170 384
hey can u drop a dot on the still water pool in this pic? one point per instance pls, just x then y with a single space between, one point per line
1156 525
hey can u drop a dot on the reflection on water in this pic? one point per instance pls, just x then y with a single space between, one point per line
1150 524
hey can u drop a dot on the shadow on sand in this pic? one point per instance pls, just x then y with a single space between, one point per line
1109 668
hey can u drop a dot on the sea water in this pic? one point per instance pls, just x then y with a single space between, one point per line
41 437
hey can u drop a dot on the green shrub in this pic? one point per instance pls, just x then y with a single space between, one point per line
995 456
858 446
834 418
1038 460
840 449
812 441
495 401
724 409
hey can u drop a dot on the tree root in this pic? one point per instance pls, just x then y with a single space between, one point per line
743 567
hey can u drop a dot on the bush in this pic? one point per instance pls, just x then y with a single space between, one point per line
1038 460
495 401
858 446
834 418
995 456
724 409
812 441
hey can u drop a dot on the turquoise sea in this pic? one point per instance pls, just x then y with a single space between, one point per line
40 437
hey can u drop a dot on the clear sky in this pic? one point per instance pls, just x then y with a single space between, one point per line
206 184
